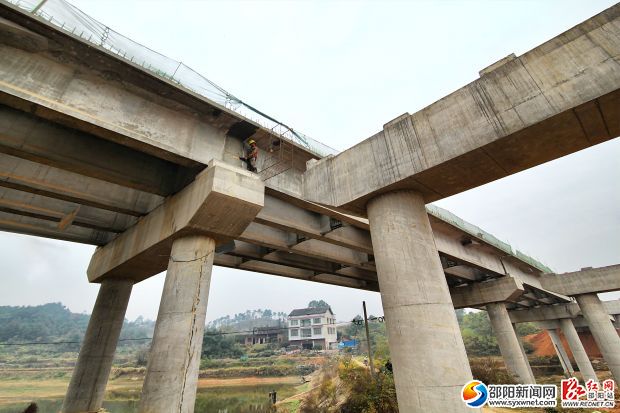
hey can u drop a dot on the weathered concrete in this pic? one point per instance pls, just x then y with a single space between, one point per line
586 281
430 364
91 372
556 99
500 290
603 331
567 366
576 347
221 202
527 362
558 311
508 342
172 372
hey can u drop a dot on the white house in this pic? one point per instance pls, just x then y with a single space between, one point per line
313 327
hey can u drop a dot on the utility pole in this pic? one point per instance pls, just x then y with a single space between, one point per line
372 365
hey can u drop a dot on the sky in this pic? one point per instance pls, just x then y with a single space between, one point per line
338 71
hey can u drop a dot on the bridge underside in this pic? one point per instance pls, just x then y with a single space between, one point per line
94 149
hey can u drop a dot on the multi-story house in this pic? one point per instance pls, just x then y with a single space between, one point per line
313 327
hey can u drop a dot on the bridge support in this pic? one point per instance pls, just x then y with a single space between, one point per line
567 366
602 329
428 355
90 375
508 342
576 347
172 371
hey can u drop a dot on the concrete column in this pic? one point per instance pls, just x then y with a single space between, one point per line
428 355
90 375
527 362
172 370
576 347
508 342
561 352
603 331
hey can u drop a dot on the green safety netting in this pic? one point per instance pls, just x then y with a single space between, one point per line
69 18
481 234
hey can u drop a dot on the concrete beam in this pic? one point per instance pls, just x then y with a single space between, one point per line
290 272
558 311
26 136
23 224
495 291
220 203
27 176
38 206
559 98
586 281
296 217
545 313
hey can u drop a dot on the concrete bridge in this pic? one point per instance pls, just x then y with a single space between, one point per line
97 149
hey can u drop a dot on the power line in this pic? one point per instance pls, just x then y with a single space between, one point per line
359 321
66 342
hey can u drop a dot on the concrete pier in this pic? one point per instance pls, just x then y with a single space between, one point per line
508 343
90 376
567 366
430 363
602 329
172 371
576 347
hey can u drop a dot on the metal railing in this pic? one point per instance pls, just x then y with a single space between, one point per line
69 18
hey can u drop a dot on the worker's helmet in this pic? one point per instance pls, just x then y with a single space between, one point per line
251 142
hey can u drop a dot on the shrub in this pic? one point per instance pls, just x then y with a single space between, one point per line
490 371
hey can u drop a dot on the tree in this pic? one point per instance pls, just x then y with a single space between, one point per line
317 303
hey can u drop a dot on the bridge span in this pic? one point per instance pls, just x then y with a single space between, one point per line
98 149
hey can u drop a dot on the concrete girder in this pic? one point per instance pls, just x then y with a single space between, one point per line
295 216
26 136
498 290
559 98
588 280
161 127
464 273
27 176
220 203
289 272
38 206
558 311
22 224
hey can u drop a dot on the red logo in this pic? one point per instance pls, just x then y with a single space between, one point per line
572 390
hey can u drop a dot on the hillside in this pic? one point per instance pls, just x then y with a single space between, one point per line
53 322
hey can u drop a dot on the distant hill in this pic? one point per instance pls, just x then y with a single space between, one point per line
248 320
54 322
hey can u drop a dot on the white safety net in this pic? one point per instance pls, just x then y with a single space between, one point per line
69 18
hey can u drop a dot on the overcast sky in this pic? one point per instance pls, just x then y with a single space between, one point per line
338 71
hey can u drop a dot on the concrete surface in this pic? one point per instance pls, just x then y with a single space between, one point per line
603 331
567 366
428 355
91 372
556 99
508 342
221 202
588 280
172 372
576 347
478 294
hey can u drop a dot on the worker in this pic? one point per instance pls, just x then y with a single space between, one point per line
252 155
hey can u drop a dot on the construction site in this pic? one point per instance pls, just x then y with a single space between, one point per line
107 143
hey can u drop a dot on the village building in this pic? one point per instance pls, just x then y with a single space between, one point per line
313 328
265 335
